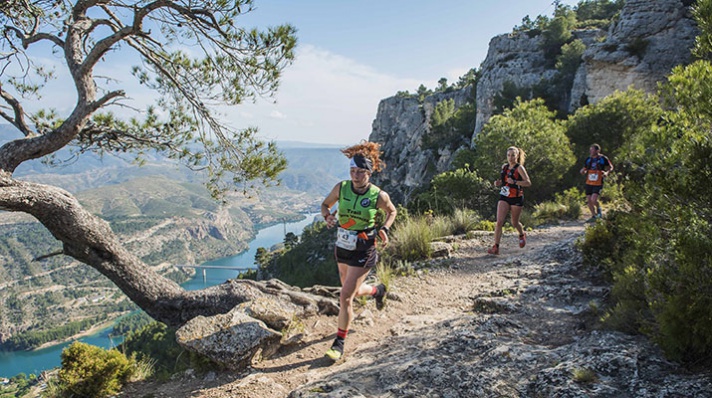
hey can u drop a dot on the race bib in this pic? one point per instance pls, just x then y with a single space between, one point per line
593 176
504 191
346 239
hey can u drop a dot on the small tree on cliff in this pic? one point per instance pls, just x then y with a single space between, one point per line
226 64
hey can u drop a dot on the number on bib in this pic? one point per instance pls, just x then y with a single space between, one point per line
504 191
593 176
346 239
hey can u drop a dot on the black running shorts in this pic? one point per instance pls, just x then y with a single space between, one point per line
357 258
517 201
593 189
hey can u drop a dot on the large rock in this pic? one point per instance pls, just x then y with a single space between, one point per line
649 39
400 126
231 339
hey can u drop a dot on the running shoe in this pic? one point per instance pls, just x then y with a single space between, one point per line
493 250
336 351
380 296
522 240
592 219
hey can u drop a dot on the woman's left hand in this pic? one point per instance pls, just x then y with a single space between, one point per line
384 237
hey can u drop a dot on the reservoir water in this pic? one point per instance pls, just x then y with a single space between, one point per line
15 362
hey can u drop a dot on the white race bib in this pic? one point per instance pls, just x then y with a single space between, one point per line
504 191
593 176
346 239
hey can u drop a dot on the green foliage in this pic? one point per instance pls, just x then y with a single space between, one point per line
568 62
309 262
33 339
411 239
451 190
508 97
558 31
90 371
702 12
566 206
532 127
155 344
593 10
132 322
659 254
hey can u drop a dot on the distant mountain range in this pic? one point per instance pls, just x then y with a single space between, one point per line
312 168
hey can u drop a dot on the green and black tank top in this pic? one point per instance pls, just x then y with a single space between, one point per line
357 212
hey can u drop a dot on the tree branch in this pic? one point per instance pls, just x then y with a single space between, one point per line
19 119
30 39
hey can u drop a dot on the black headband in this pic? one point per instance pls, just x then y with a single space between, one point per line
362 162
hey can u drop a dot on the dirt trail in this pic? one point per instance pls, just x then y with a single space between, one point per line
431 297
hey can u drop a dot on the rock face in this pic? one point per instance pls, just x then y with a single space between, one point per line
639 49
531 336
649 39
400 126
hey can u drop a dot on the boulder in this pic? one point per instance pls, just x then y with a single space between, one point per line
231 339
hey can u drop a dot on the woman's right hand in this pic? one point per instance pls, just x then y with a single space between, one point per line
330 220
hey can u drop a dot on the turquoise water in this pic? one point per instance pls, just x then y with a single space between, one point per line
12 363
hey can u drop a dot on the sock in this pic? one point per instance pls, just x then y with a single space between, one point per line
341 334
496 245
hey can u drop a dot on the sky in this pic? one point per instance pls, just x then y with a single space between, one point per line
350 55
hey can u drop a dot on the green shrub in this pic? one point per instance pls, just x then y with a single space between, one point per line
572 199
548 212
90 371
451 190
441 226
463 220
411 240
484 225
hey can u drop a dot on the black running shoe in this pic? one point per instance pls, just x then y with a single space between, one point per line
380 296
336 351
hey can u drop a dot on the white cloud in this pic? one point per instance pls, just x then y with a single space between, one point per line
275 114
330 98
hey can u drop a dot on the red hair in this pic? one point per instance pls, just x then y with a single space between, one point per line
371 150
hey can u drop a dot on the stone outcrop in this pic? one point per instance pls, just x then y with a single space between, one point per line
649 39
400 126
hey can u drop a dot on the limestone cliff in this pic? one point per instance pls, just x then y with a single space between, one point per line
649 39
401 125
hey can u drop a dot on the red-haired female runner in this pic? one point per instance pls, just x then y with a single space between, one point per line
358 203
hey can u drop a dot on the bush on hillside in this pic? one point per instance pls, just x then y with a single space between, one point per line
90 371
459 189
411 240
659 255
532 127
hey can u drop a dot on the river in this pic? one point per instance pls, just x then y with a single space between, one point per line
15 362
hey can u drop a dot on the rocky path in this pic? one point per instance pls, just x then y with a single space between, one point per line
522 324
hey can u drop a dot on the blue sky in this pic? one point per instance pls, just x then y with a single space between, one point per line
350 55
